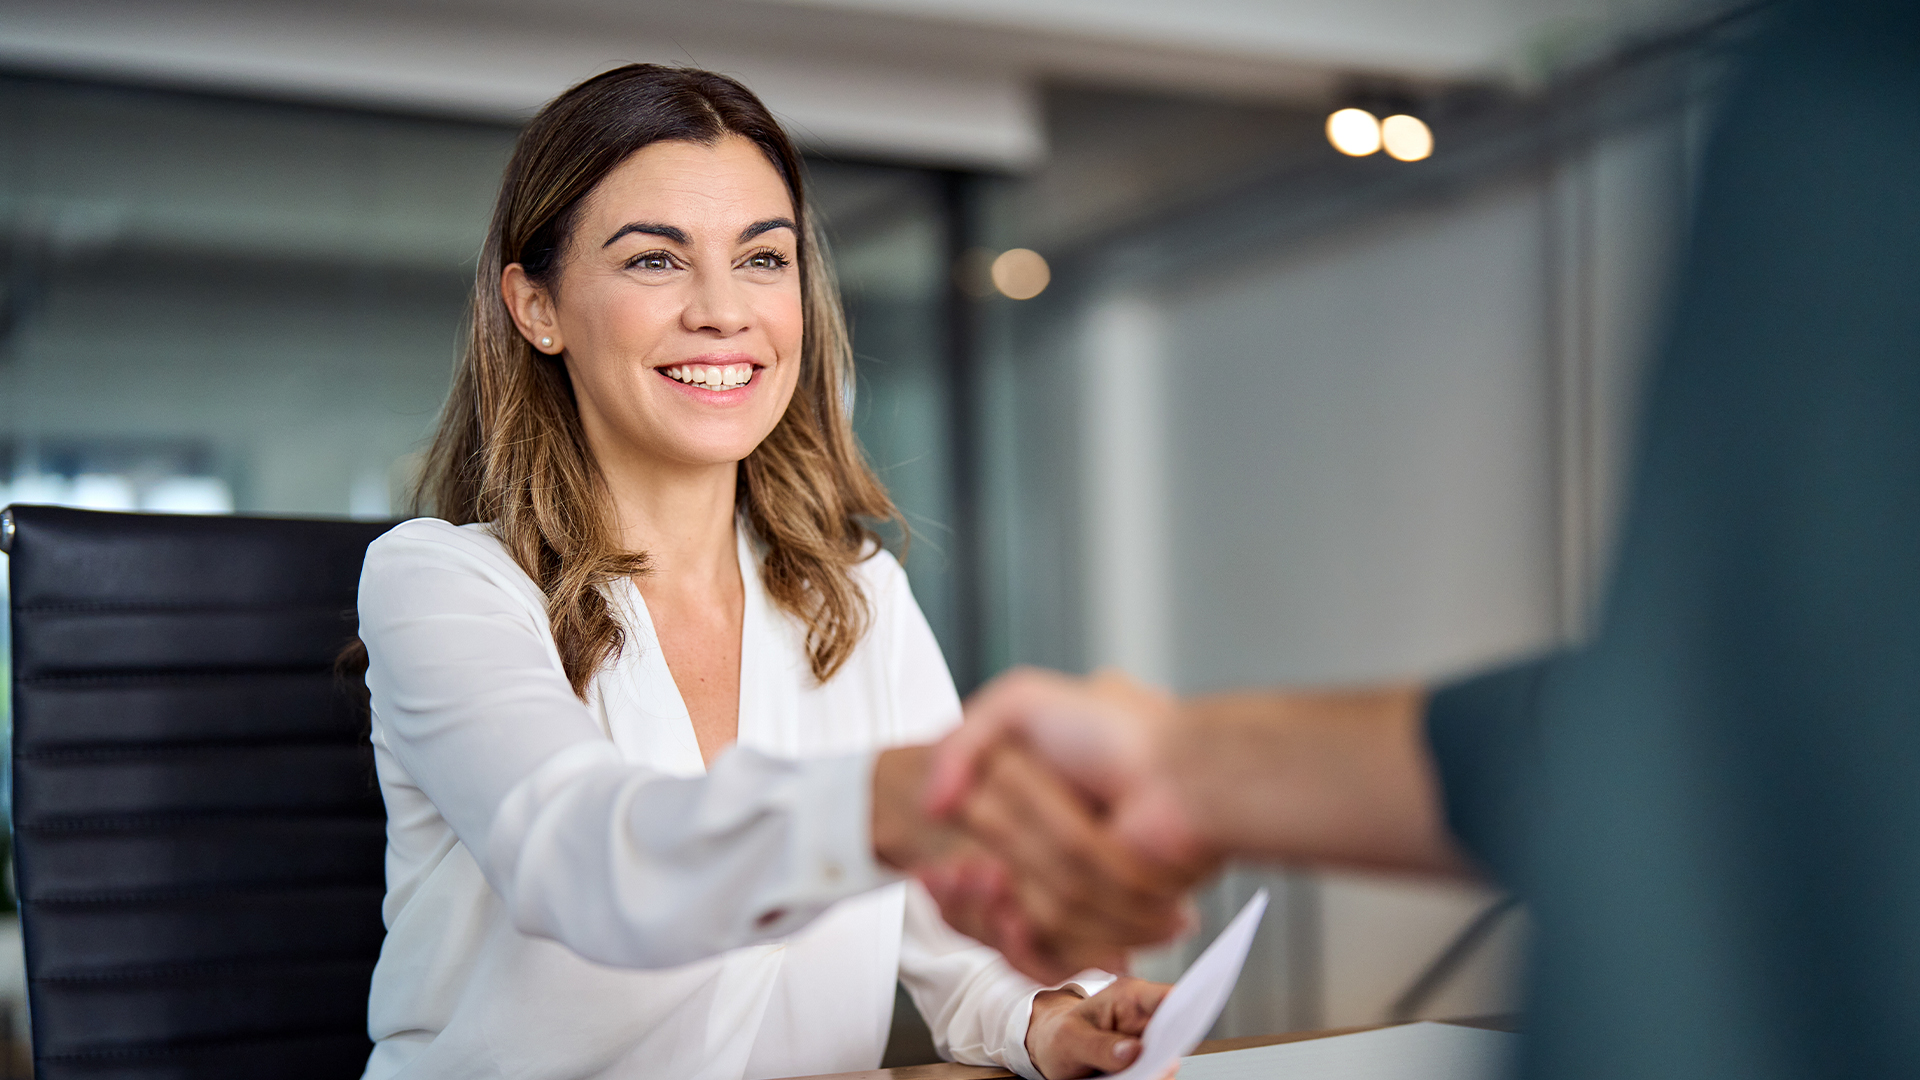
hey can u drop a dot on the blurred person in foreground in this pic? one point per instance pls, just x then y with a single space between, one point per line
1713 807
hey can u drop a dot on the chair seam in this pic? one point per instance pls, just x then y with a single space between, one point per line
227 823
136 676
351 740
204 1044
261 889
135 822
111 607
209 970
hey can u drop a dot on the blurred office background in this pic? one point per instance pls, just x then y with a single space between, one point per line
1276 414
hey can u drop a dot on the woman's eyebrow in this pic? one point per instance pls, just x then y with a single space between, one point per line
648 228
766 226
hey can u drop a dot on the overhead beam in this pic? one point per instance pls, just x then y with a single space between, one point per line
493 69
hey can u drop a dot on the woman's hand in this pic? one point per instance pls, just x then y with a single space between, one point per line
1066 893
1059 780
1113 741
1071 1036
1025 865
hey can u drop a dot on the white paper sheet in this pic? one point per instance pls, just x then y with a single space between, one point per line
1190 1008
1409 1052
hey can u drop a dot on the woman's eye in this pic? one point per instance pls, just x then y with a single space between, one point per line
652 260
766 260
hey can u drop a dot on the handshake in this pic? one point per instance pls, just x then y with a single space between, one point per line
1067 821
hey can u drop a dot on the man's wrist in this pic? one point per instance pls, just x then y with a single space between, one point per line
1320 777
1202 807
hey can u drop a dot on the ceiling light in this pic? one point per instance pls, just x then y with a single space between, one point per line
1354 132
1021 274
1406 137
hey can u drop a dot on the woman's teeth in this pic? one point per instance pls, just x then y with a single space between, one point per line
713 376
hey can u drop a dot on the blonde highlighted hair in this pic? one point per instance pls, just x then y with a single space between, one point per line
510 451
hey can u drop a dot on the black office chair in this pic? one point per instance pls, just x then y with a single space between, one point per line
197 832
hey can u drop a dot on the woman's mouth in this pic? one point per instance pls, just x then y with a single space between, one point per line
710 376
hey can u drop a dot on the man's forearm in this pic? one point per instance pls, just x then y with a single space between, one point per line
1341 778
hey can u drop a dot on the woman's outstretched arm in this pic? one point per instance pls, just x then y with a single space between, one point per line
621 863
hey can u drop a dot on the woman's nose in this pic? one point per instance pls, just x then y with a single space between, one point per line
717 305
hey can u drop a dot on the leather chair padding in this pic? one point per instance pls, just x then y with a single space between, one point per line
198 836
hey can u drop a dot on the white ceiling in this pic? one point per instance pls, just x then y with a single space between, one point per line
943 81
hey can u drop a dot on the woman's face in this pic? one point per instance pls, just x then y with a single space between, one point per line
677 305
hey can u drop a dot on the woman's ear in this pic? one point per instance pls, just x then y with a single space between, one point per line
532 309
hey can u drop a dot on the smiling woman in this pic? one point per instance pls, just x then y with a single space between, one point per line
682 329
681 335
674 204
632 691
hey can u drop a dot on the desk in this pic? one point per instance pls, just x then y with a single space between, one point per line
981 1072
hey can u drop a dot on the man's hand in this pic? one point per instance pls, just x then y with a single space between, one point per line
1070 1036
1113 740
1025 866
1064 894
1332 777
1049 774
1101 803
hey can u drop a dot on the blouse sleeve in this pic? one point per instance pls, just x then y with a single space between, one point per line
975 1004
622 864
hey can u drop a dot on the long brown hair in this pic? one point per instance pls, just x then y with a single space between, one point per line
510 450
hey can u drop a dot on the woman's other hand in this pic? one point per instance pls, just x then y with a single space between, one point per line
1071 1036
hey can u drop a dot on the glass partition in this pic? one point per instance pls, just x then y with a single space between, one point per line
219 305
214 305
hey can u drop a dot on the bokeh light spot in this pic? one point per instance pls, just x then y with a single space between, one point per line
1021 274
1406 137
1353 132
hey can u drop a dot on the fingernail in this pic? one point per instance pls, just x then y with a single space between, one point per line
1125 1049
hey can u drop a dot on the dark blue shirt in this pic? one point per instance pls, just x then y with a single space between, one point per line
1713 809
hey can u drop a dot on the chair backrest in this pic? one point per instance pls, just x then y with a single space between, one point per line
198 835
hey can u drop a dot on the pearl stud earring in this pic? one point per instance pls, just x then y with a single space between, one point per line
546 343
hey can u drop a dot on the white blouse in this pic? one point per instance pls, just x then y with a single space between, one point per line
571 893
